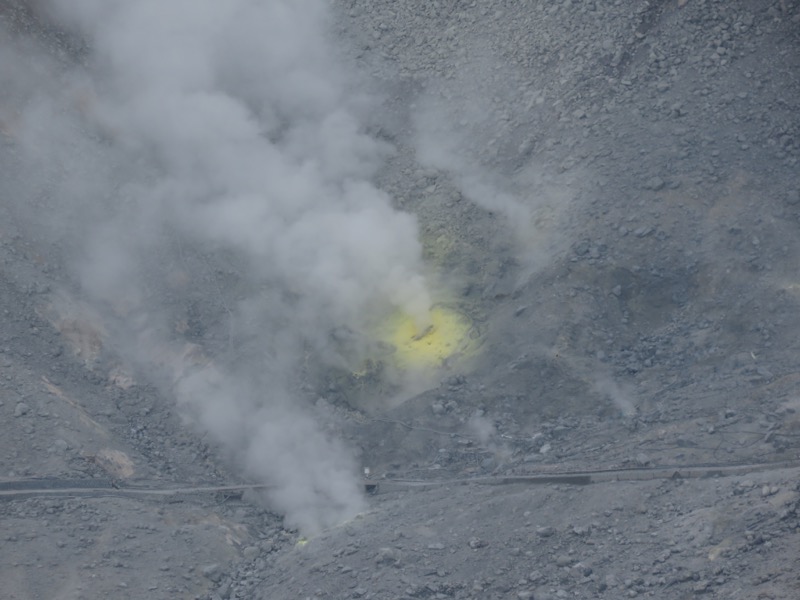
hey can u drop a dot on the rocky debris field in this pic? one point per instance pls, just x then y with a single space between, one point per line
642 320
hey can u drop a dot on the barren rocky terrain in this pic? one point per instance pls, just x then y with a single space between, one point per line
608 192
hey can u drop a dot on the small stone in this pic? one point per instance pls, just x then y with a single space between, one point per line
564 561
212 572
580 530
476 543
546 531
438 408
250 552
582 248
793 197
525 595
436 546
59 447
655 184
617 290
21 409
387 556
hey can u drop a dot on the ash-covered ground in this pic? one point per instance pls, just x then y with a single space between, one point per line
203 207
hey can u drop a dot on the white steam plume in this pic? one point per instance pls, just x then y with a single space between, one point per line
243 109
227 125
461 131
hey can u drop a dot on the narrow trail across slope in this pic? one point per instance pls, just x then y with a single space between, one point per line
587 477
28 488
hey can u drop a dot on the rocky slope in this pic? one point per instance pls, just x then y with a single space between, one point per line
610 192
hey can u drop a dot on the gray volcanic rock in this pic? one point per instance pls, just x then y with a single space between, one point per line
606 191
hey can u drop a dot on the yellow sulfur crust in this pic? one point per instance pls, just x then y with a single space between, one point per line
415 347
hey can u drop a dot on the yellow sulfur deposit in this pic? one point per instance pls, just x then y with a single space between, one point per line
422 348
